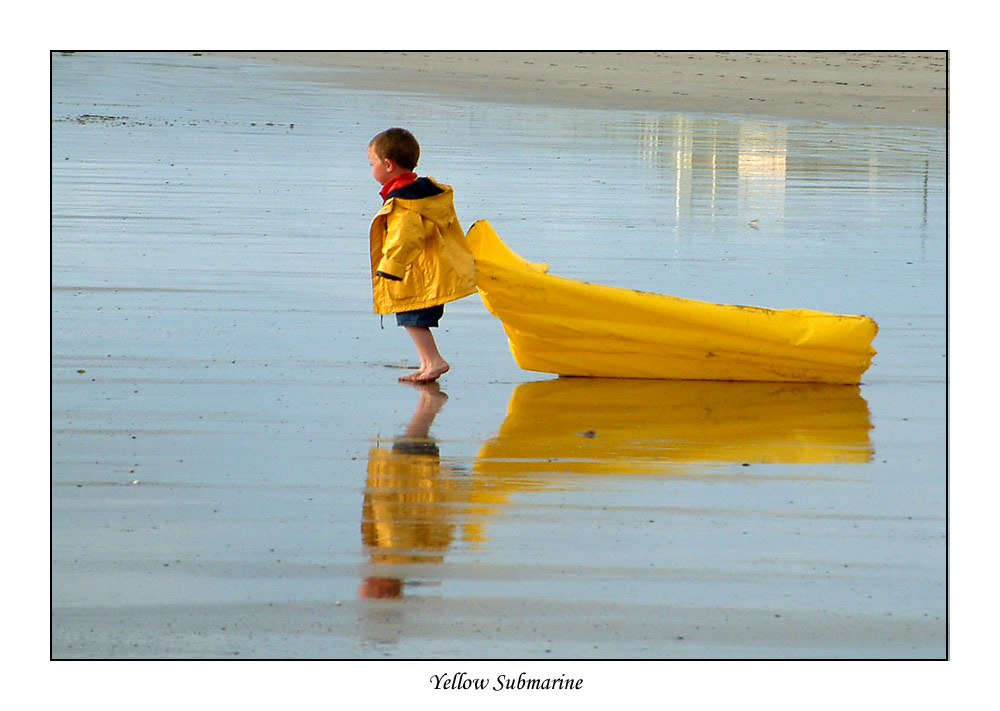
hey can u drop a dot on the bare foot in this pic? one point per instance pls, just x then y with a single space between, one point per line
434 372
426 374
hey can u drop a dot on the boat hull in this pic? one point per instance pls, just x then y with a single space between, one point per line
574 328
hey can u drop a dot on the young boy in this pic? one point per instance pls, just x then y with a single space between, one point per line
420 259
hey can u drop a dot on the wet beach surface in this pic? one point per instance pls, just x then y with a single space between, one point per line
236 472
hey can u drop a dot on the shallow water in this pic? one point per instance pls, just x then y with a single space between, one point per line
231 467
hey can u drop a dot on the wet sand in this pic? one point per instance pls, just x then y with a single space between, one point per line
225 411
897 88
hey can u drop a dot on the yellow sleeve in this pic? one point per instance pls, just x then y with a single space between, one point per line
404 240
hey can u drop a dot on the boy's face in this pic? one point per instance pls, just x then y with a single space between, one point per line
382 169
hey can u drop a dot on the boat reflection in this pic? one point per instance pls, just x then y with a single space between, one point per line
557 431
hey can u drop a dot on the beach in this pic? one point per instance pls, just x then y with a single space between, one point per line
233 469
884 88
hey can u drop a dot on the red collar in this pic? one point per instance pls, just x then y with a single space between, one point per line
400 181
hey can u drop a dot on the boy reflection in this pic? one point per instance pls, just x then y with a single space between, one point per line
407 502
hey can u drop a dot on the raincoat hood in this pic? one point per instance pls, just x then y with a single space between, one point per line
427 198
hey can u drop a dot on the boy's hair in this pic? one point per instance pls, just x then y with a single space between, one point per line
398 145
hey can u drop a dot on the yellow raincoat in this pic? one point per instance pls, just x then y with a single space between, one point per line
418 243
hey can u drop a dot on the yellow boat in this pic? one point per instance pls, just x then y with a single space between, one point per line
568 327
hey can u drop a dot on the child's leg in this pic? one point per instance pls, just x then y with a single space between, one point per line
432 365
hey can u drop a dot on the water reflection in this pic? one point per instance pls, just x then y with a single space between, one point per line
408 514
705 159
557 430
713 167
761 166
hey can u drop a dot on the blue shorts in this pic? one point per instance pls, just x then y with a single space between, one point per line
424 318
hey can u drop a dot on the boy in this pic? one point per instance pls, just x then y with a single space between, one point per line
420 259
